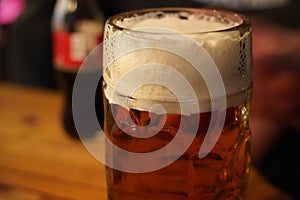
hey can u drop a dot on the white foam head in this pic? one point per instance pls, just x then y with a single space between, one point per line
127 49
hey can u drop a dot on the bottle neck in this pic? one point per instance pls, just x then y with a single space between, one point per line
68 13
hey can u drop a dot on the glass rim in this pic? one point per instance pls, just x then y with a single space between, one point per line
242 23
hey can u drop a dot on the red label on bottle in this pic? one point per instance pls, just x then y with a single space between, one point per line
70 49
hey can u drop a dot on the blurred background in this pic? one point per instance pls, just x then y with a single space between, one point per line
26 59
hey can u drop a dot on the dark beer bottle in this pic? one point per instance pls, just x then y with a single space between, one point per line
77 28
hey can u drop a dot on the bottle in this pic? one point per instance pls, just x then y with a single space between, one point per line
77 28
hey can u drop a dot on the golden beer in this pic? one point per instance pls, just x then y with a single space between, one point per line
146 65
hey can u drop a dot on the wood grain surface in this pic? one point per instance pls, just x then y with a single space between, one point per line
38 161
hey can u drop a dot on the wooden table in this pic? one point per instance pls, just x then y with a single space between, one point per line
39 161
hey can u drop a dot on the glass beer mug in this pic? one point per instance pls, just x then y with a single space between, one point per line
177 88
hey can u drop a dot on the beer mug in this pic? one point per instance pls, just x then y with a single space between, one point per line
177 88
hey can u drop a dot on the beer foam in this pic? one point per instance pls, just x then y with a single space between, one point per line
128 50
180 23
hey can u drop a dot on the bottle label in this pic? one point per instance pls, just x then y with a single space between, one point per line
70 49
